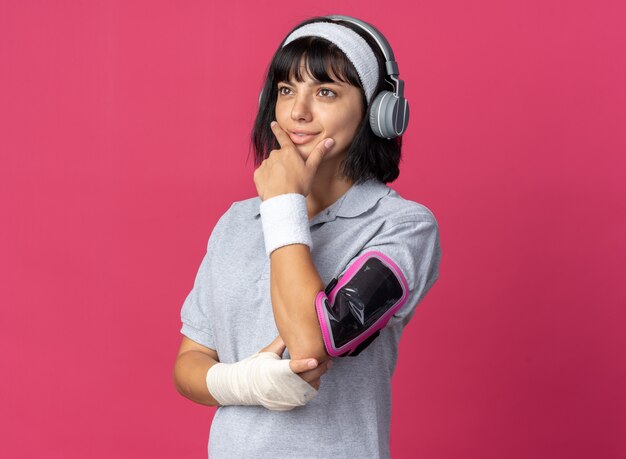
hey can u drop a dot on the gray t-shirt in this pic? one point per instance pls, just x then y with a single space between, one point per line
229 309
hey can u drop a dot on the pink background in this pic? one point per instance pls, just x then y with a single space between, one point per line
124 130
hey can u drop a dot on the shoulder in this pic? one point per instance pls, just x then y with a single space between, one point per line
407 232
396 210
239 215
409 236
246 208
239 211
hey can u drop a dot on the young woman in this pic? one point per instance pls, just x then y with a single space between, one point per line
326 265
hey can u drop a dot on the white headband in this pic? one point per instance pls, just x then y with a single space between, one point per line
351 43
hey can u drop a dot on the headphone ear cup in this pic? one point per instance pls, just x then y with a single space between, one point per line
384 111
376 112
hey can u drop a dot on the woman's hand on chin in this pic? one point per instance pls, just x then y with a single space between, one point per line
285 171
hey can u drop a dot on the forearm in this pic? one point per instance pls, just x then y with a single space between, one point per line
294 284
190 372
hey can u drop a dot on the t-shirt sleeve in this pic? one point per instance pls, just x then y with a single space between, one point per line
413 245
195 313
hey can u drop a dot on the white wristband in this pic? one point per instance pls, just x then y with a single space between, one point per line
285 220
261 379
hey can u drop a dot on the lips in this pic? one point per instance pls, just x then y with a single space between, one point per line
302 137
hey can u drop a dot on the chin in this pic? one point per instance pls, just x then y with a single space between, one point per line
304 150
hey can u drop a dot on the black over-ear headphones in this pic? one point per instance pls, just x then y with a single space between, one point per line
389 112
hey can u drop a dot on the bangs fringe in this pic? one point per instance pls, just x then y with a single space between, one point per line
323 61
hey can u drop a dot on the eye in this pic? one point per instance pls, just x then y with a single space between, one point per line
281 92
327 92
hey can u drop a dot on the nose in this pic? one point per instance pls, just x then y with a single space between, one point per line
301 109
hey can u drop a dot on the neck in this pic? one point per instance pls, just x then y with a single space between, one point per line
327 188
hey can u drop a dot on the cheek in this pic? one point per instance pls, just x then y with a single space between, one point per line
282 111
279 113
347 125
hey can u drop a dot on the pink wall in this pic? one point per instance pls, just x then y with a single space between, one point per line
123 137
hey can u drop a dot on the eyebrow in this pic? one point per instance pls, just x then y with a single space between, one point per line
314 83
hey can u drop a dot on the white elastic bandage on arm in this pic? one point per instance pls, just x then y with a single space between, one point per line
261 379
285 220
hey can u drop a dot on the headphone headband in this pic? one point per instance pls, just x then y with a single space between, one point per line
381 41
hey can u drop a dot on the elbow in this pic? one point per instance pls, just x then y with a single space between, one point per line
178 379
307 349
304 339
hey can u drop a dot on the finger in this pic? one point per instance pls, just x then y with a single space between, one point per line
316 373
315 383
277 346
300 365
318 153
283 138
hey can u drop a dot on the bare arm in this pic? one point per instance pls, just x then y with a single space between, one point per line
192 364
294 284
294 280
